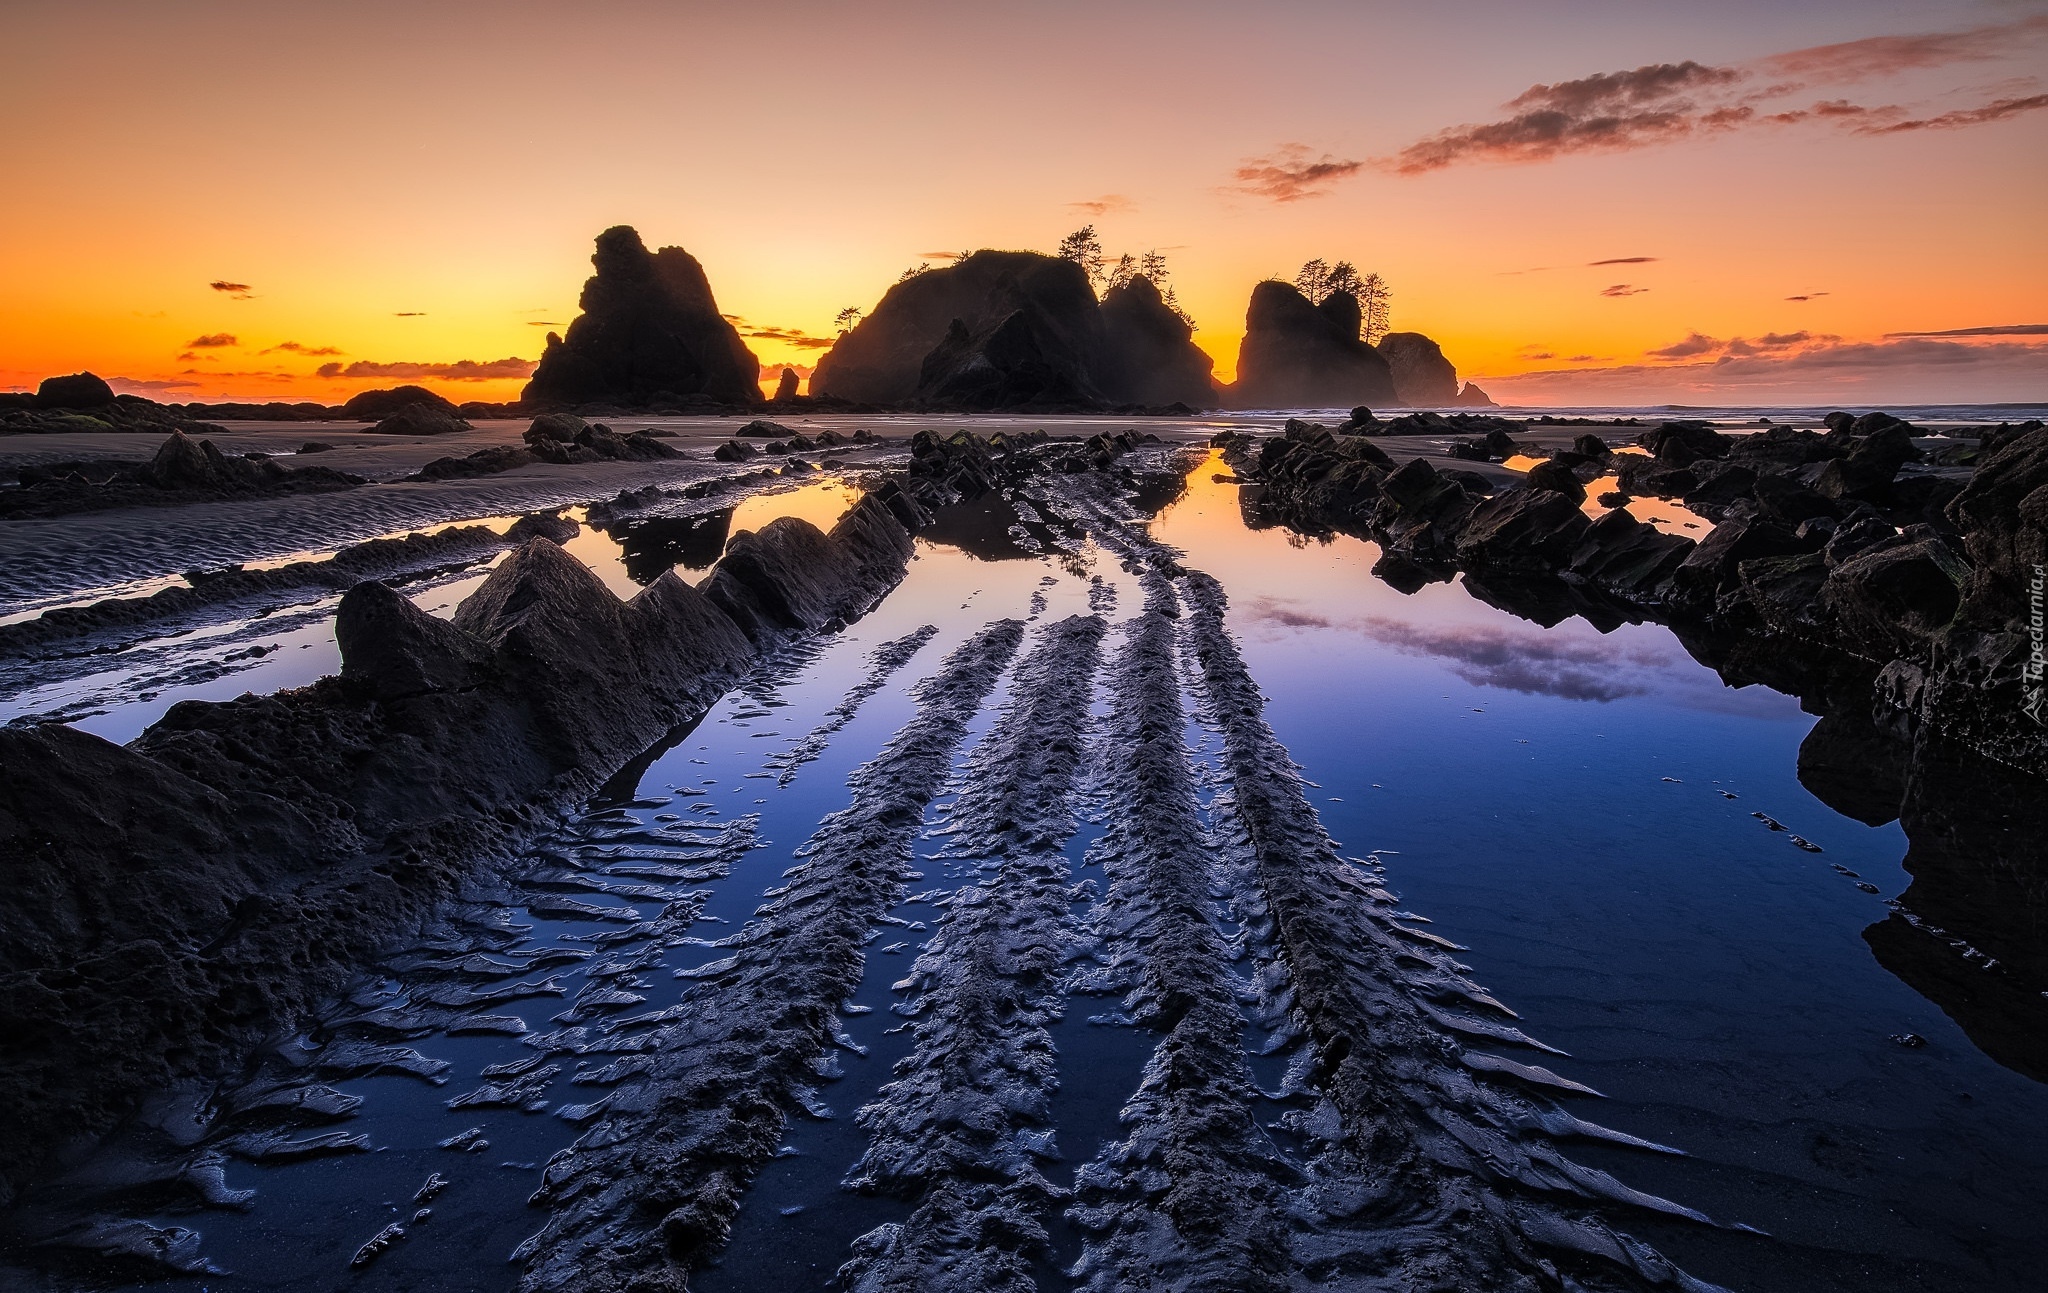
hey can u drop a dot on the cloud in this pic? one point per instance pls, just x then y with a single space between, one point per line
1807 297
1623 289
1996 330
1290 174
410 314
1997 110
462 370
295 348
212 340
1622 260
542 323
1665 102
238 291
1881 56
148 385
1694 344
794 337
1107 204
944 255
771 372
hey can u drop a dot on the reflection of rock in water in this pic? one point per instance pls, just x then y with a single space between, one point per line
660 543
1971 932
985 528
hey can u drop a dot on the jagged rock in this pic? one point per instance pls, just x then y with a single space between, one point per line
1629 557
375 406
484 462
1153 359
1897 596
77 391
1421 373
1866 473
1473 398
560 427
1557 477
420 418
994 329
763 429
396 649
1299 355
552 526
1679 444
1591 447
1522 529
650 334
2003 516
1712 564
785 386
733 451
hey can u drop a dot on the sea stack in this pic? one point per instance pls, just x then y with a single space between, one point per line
1153 350
650 336
1421 373
1297 354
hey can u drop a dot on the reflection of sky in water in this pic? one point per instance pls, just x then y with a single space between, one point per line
1667 515
1575 807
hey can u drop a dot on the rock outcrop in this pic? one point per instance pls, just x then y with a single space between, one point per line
1299 355
1421 373
375 406
172 899
650 336
997 329
77 391
785 386
1016 329
1154 359
183 470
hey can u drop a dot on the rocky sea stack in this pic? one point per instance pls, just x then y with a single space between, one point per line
1015 329
650 336
1297 354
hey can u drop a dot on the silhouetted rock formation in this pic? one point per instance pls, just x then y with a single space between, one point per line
650 335
999 328
1298 355
421 419
1473 398
1421 373
1154 357
785 386
78 391
1015 329
375 406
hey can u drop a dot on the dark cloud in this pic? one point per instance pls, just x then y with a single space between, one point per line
1881 56
1107 204
944 255
295 348
795 337
462 370
1623 289
239 291
1291 174
1623 260
1996 330
1807 297
1694 344
212 340
541 323
149 385
770 372
410 314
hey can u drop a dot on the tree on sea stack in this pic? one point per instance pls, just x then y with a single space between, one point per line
1084 249
847 318
1319 280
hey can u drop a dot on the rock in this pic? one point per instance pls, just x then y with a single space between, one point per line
420 418
1591 447
763 429
785 386
1153 359
1557 477
560 427
375 406
77 391
1533 530
1712 564
484 462
2002 515
1473 398
552 526
1629 557
395 649
1421 373
650 335
733 451
997 328
1297 355
1896 597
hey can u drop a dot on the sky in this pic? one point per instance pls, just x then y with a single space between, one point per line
1603 202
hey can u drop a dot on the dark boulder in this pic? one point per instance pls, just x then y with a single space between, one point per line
1591 447
77 391
1629 557
785 386
2002 515
1557 477
650 335
733 451
1533 530
375 406
1712 564
420 418
1295 355
1153 359
1473 398
395 649
1677 444
1896 597
560 427
1421 373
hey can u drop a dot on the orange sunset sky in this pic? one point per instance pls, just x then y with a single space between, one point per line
1621 201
